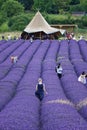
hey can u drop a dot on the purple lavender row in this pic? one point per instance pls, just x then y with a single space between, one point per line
63 55
64 49
64 58
5 54
83 48
34 68
50 57
54 47
75 50
22 113
74 90
2 41
81 89
25 58
79 64
5 45
10 82
57 112
6 66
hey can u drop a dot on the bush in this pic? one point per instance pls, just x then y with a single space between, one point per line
3 18
18 22
11 8
60 19
4 27
76 8
84 21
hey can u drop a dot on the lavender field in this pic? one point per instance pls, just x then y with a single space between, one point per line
65 105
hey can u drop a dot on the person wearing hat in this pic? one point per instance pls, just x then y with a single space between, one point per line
40 90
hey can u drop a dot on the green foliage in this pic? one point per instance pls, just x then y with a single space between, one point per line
76 8
3 18
12 16
1 3
51 6
18 22
83 3
4 27
82 6
27 4
84 21
74 2
60 19
61 11
39 4
11 8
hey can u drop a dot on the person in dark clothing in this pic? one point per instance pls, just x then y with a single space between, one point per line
3 38
40 90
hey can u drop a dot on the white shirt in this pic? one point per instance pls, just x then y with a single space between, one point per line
82 79
9 37
31 39
15 59
59 70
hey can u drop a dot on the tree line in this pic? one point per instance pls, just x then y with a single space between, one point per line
12 10
14 7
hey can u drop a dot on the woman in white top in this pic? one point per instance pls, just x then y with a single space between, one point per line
82 78
59 70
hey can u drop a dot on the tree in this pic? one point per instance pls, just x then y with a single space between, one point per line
18 22
74 2
51 6
83 3
1 3
27 4
38 5
12 7
63 4
3 18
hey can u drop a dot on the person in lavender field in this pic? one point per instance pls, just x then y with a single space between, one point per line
82 78
3 38
31 39
14 59
9 37
59 70
40 90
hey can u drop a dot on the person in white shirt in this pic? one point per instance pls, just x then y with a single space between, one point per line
82 78
31 39
59 70
9 37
